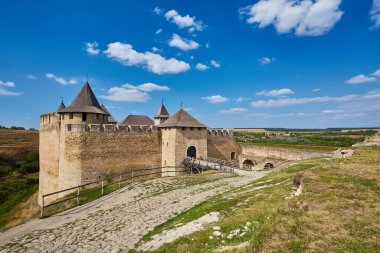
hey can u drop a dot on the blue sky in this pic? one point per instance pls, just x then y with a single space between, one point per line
267 63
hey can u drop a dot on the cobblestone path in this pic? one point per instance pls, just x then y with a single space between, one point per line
116 222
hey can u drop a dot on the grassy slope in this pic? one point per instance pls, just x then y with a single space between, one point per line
14 144
339 210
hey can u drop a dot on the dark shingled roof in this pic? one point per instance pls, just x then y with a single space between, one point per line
162 112
61 106
137 120
85 101
181 119
110 118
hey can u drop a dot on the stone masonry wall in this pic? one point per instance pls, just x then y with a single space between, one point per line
49 155
221 146
94 154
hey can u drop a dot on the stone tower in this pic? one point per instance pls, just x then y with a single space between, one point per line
182 136
111 119
162 115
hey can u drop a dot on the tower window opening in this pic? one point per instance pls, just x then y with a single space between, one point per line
84 117
71 115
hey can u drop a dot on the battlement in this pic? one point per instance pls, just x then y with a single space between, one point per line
108 128
220 132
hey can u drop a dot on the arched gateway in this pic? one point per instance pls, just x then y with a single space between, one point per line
192 152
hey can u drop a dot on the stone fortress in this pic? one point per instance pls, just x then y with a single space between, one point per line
82 142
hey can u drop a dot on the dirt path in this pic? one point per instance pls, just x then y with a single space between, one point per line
119 220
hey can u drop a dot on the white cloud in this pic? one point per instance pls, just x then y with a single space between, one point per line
216 99
266 60
184 21
201 67
375 13
126 55
133 93
158 31
300 101
155 49
147 87
92 48
275 93
316 90
332 111
233 111
215 64
30 76
5 91
377 73
126 95
361 79
183 44
61 80
7 84
157 10
304 17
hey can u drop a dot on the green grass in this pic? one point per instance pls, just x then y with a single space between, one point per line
291 146
323 140
339 210
15 190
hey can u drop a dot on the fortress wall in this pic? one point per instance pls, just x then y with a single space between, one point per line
168 146
281 153
220 145
49 154
93 154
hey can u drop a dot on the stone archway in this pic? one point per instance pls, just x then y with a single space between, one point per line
192 152
268 166
233 156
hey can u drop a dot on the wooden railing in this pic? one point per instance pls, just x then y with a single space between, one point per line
133 175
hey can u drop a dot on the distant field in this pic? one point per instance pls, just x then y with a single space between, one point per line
18 175
322 140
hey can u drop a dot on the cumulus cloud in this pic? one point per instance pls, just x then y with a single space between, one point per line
303 17
241 99
201 67
184 21
147 87
4 89
275 93
216 99
375 13
215 64
361 79
92 48
32 77
316 90
377 73
133 93
233 111
126 55
182 43
266 60
61 80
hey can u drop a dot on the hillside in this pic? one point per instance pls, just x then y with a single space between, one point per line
18 176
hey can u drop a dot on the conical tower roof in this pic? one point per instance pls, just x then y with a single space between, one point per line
162 112
137 120
110 118
182 119
61 106
85 101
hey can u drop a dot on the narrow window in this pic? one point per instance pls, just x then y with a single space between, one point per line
71 115
97 116
84 117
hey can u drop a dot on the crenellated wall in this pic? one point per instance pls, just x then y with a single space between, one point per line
221 145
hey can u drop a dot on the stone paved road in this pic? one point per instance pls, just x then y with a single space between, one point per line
116 222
